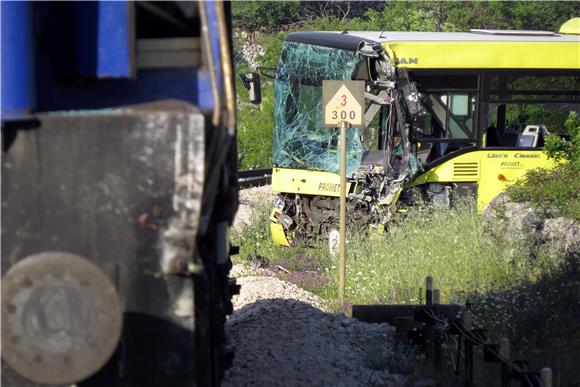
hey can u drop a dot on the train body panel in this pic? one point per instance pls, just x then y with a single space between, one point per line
118 156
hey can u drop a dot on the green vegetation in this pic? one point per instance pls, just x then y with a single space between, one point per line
451 245
255 124
271 16
566 144
557 188
455 16
266 16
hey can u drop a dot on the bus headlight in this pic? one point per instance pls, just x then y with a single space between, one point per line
278 203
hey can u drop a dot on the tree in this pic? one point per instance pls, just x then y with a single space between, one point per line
267 16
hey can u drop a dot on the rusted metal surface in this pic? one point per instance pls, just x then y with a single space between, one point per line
122 188
61 318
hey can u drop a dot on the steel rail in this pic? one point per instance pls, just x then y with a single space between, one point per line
254 177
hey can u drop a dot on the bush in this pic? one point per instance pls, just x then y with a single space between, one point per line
255 127
566 145
557 188
264 15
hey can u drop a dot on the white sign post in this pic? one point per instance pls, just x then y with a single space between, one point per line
343 105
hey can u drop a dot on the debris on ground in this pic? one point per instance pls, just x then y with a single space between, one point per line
258 261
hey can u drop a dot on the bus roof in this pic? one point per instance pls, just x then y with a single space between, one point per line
479 49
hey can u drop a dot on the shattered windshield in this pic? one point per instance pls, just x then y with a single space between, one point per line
300 140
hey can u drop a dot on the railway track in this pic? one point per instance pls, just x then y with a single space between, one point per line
254 177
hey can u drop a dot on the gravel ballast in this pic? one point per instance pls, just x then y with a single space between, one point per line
248 200
283 337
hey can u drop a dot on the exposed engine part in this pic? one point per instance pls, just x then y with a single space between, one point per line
410 93
278 203
440 195
371 50
286 221
306 218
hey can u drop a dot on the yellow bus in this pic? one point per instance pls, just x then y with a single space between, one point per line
447 114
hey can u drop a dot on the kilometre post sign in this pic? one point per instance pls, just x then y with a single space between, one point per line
343 101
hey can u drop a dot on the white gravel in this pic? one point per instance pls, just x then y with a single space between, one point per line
248 200
284 338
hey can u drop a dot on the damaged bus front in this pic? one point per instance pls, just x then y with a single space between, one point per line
306 155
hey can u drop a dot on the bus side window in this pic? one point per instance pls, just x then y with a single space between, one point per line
459 105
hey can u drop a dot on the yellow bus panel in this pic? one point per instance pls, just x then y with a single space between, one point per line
492 170
278 235
301 181
482 55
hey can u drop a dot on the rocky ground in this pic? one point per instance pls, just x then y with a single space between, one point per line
249 198
284 337
533 229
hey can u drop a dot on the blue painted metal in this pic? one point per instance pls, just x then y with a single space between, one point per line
81 57
18 81
115 37
149 86
88 39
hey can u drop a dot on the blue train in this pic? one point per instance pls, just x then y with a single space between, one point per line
119 184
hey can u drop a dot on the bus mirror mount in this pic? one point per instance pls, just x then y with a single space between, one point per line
251 82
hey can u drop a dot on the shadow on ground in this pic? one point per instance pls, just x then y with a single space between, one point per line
541 320
285 342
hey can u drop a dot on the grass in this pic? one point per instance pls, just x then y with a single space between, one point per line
540 317
452 246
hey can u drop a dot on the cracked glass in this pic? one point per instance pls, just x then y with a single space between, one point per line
300 140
